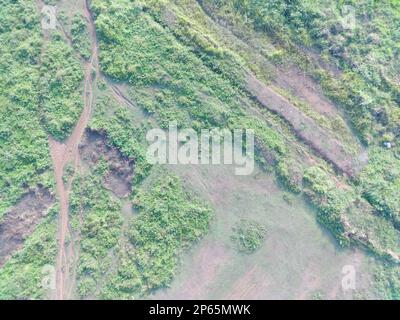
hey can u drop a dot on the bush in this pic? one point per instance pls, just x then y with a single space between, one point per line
248 236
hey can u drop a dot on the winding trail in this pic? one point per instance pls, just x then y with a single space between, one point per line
66 152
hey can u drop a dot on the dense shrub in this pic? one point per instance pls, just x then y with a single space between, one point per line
61 78
380 183
330 200
170 220
24 152
80 36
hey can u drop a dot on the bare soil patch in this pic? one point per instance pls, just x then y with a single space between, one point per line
250 286
306 88
22 220
121 169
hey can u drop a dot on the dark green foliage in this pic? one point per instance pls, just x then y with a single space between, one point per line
380 183
99 232
23 276
330 200
60 95
24 153
80 36
248 235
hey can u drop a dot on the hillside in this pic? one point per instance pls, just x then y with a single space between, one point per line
84 213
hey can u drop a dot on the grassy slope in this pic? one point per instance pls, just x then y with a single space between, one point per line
168 79
178 70
168 76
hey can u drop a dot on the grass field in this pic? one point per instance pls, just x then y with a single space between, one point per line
298 259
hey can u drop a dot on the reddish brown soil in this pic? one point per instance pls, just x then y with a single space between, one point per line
21 221
304 87
119 177
63 153
310 282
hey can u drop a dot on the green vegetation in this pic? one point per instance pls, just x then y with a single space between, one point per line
172 78
80 36
380 183
248 235
387 281
129 257
69 171
169 220
123 132
187 61
28 274
28 81
24 153
117 264
168 80
60 96
99 232
329 199
369 93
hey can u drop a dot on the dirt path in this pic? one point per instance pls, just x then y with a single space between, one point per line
63 153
